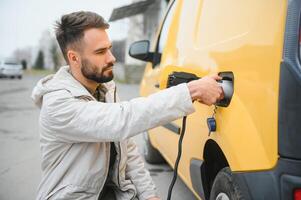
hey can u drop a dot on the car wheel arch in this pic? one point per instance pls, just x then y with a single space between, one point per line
214 161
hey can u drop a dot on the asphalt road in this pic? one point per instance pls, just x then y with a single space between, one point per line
19 143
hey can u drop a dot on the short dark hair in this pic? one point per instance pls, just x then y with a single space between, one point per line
70 29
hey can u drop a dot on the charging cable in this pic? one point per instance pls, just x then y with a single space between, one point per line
175 174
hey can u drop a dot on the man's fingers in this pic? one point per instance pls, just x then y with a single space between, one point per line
206 90
221 96
216 77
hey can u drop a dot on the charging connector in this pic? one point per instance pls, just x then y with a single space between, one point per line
177 78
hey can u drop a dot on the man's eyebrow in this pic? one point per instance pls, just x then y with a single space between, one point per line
103 48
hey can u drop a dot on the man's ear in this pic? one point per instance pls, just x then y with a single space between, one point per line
73 57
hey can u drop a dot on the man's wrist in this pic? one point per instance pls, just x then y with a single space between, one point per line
192 90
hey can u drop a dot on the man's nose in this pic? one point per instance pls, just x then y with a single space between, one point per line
111 58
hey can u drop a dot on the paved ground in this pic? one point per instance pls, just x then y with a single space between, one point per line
19 144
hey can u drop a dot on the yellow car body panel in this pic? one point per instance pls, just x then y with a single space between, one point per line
207 37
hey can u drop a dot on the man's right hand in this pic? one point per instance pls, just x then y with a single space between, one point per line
206 90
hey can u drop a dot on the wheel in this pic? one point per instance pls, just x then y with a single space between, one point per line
224 187
151 154
19 77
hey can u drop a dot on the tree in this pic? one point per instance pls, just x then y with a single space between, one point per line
23 56
39 64
24 64
52 54
55 55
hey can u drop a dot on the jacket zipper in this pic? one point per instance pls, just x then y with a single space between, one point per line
119 146
118 165
118 178
108 163
115 90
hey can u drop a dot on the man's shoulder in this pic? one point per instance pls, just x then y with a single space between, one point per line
63 80
57 96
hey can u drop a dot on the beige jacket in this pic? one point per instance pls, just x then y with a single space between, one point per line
76 131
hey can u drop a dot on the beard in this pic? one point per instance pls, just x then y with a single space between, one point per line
90 71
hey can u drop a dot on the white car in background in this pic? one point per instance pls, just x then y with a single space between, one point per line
10 69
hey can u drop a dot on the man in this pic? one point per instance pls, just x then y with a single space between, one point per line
85 135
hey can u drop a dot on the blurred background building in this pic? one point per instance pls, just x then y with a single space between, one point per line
143 19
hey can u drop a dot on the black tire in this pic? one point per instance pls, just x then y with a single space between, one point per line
224 187
19 77
151 154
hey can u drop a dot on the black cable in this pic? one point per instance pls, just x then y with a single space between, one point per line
175 175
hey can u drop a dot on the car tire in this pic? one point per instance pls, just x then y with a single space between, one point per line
224 187
151 154
19 77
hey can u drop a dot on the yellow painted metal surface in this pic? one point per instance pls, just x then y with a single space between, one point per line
245 37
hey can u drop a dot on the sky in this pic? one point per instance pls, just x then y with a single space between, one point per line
23 21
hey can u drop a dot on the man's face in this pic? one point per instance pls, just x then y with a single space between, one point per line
96 58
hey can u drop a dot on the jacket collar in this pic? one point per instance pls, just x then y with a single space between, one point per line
64 80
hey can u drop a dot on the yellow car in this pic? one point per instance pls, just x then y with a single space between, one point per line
255 151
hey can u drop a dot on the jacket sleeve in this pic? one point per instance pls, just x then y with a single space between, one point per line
75 120
136 172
